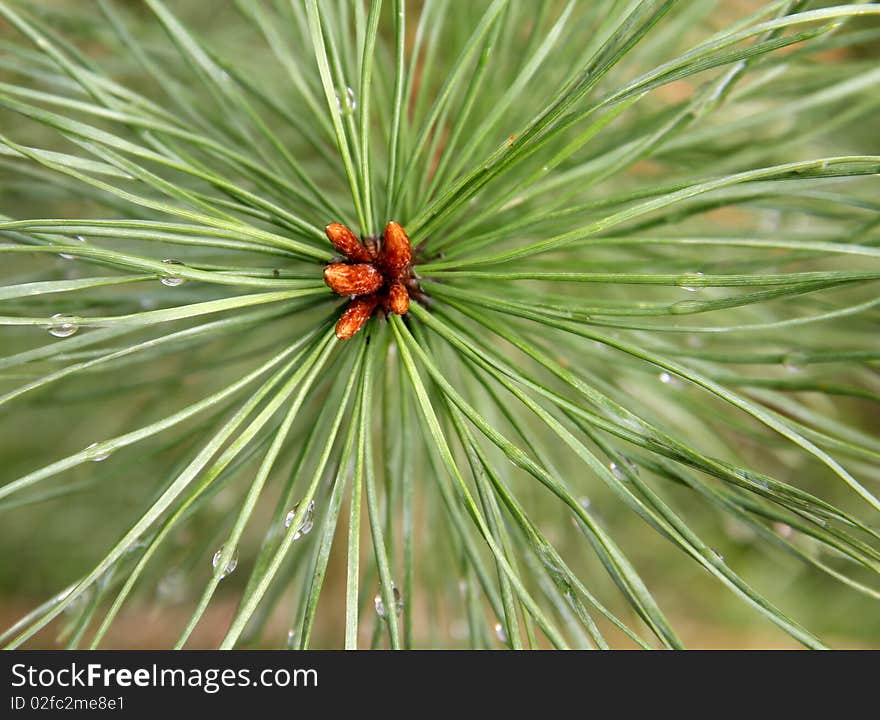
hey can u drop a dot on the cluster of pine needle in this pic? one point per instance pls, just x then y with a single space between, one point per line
634 389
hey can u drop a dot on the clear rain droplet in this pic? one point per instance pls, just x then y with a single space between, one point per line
172 280
63 326
68 256
668 378
686 282
380 605
350 102
794 361
618 470
230 566
97 453
500 634
307 524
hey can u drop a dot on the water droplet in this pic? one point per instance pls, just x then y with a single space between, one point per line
585 502
500 634
348 107
307 524
230 566
688 281
63 326
172 280
380 605
623 474
98 452
794 361
68 256
545 169
670 379
291 640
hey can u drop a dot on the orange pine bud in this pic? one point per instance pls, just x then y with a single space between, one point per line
346 242
397 300
396 251
353 279
355 315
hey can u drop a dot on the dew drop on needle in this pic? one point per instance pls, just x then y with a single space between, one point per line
230 565
62 326
380 604
308 521
68 256
689 281
794 361
97 453
171 279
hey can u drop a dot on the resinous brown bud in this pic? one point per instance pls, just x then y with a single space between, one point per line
347 243
360 279
355 315
396 250
397 299
373 274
